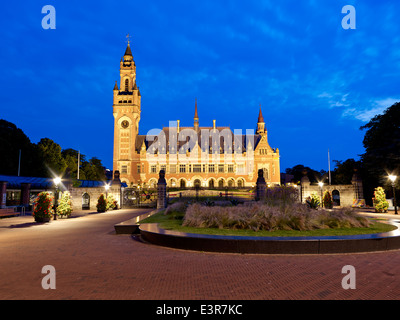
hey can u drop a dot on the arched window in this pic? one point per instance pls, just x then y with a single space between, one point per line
126 85
211 183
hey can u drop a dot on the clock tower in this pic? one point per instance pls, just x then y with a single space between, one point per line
126 111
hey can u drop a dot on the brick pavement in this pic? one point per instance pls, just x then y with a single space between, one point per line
92 262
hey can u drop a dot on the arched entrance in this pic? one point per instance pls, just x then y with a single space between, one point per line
211 183
85 201
336 197
197 183
221 183
183 184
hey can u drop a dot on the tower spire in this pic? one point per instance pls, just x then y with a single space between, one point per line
260 122
128 51
260 116
196 117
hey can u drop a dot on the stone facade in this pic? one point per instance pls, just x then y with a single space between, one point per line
343 195
79 194
190 156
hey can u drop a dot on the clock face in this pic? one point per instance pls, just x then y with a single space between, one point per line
125 124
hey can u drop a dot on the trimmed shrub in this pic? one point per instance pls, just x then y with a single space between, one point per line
379 199
327 201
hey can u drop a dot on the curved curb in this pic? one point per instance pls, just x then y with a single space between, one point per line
150 232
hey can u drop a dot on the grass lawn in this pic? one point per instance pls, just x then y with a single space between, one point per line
169 222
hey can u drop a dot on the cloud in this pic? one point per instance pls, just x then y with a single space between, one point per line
365 115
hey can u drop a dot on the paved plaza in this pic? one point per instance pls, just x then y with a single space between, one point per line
92 262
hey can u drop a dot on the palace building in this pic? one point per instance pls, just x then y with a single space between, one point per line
191 156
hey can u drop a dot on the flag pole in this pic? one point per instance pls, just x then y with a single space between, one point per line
19 162
329 166
79 156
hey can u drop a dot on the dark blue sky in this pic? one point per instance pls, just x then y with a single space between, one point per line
317 82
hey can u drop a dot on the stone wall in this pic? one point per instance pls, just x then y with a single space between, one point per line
94 193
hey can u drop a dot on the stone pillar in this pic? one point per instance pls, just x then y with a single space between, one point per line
3 194
161 191
25 193
261 186
305 186
116 180
358 186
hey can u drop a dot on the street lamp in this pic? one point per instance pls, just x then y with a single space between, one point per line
321 184
57 181
107 186
393 179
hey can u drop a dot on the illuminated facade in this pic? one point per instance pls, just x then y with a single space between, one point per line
190 156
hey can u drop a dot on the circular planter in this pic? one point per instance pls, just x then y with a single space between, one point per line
42 219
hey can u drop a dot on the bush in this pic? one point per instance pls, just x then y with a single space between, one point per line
256 216
313 201
43 207
64 208
112 203
379 199
101 204
327 201
281 195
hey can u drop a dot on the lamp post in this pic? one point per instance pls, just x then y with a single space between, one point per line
56 181
393 179
107 186
321 184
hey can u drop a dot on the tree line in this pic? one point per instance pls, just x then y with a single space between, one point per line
380 159
43 159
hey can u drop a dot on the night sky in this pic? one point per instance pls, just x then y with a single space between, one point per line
317 82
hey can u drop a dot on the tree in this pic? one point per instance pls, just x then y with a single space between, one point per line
299 170
12 140
344 171
382 149
71 159
94 170
52 156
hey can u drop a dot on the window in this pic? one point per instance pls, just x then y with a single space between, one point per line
211 168
197 168
124 169
163 167
221 168
153 169
126 85
172 168
138 168
240 168
230 167
182 168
